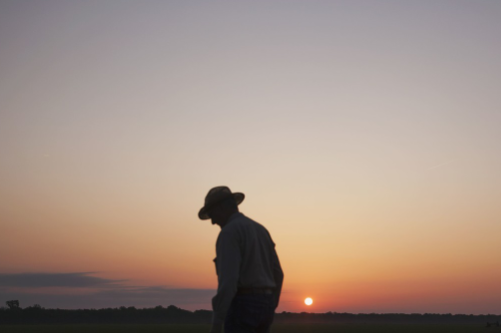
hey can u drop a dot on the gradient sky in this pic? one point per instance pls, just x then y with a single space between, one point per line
365 135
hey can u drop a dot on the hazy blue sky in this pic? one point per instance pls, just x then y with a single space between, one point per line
365 135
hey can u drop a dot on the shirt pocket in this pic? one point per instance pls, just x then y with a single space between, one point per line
215 264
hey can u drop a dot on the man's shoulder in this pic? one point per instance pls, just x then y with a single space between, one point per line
239 223
247 226
244 228
244 221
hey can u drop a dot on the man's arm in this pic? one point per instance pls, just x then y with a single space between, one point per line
278 276
228 265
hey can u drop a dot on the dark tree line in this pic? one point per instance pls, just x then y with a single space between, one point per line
385 318
36 314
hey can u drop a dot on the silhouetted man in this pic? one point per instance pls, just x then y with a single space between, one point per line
249 273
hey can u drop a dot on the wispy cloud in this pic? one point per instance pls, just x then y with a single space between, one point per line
38 280
40 288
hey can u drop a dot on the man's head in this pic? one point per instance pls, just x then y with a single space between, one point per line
220 204
220 213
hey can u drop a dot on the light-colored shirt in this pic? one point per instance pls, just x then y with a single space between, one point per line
246 258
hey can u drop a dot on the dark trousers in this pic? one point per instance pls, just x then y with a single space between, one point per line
250 313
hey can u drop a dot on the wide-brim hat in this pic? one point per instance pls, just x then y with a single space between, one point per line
217 195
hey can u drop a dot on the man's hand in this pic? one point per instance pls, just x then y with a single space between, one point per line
216 328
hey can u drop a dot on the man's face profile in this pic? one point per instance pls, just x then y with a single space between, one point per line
214 215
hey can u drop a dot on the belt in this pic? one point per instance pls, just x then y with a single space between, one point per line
267 291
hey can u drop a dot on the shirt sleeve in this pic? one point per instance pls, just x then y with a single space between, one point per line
228 268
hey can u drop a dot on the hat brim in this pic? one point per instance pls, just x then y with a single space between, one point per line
202 214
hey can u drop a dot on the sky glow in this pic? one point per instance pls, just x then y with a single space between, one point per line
364 134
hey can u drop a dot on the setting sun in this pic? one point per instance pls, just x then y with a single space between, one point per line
308 301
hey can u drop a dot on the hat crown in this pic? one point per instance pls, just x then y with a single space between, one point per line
217 194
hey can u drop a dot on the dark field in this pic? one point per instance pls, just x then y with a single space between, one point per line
278 328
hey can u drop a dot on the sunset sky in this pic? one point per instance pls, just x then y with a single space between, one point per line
366 136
